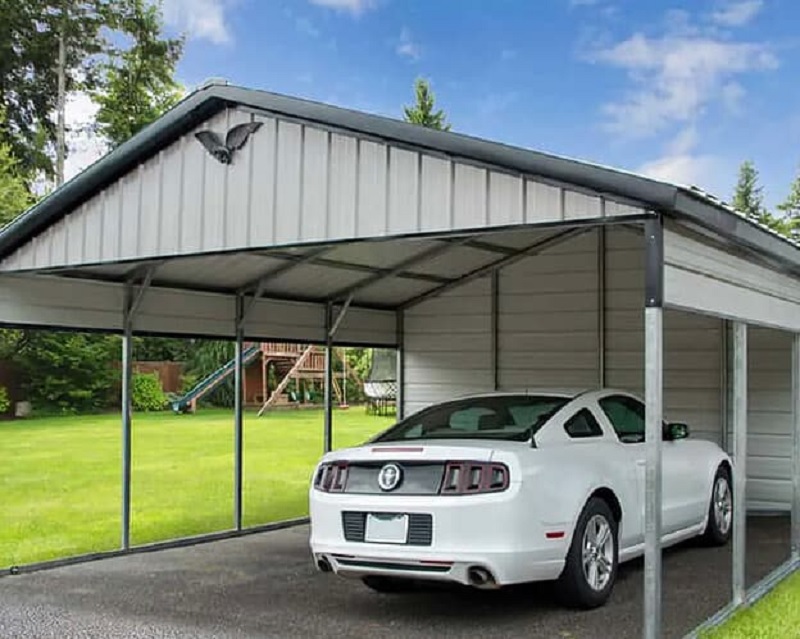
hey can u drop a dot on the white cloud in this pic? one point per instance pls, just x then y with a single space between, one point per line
406 47
84 147
200 19
677 76
356 7
681 164
736 14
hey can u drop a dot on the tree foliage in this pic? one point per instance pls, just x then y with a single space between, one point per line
69 372
147 393
138 82
790 207
423 111
14 194
29 42
748 198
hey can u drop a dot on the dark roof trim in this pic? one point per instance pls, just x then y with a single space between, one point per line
211 98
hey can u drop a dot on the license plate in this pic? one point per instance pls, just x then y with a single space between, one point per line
386 529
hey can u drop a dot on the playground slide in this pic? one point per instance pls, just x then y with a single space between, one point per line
210 382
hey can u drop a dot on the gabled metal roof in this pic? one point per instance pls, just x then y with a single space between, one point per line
690 204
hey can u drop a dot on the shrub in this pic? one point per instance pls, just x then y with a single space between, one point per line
5 400
147 393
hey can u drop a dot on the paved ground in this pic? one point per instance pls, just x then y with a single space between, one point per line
264 586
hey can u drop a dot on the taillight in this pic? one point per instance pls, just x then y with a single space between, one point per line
331 477
470 478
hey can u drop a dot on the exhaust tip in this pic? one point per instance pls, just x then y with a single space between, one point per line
479 577
324 565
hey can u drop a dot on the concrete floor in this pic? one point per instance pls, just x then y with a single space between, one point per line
263 585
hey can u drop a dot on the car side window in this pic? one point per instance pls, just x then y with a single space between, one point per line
583 424
626 416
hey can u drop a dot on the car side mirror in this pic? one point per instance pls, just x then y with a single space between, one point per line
676 430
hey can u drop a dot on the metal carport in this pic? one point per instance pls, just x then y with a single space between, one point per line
487 266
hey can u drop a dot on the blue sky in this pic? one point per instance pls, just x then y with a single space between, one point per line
681 90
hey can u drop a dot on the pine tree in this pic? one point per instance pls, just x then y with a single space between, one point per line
790 207
422 112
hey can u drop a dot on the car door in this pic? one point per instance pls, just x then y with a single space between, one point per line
627 417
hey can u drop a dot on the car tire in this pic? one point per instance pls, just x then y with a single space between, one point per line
387 585
720 509
591 568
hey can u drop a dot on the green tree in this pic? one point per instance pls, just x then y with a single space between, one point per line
748 196
14 194
69 372
422 111
138 83
30 31
790 207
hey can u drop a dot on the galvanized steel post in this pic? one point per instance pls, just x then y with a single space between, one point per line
238 422
739 417
796 447
495 311
401 363
328 429
601 305
127 374
653 325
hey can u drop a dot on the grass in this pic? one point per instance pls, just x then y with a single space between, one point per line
776 616
60 478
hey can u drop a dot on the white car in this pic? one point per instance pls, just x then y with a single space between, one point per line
500 489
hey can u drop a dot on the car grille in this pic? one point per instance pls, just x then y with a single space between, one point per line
420 528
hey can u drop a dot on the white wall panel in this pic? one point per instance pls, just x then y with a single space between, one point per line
692 343
441 363
294 182
548 319
769 419
371 206
262 184
704 278
82 304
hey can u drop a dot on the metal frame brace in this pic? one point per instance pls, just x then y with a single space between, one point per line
134 294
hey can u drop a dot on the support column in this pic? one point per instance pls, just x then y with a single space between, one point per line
495 310
401 364
739 419
127 375
601 307
653 329
238 421
328 432
796 447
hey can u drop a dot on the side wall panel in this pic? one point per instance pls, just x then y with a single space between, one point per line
448 346
88 305
548 318
769 419
692 344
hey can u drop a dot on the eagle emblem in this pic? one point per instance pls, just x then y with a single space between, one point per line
235 139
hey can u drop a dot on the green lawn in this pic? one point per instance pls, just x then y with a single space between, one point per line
776 616
60 477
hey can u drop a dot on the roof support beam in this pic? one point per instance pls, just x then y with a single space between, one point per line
399 269
517 255
360 268
484 246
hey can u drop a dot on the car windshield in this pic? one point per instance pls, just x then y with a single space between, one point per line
506 417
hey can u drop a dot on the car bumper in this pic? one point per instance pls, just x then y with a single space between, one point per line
495 532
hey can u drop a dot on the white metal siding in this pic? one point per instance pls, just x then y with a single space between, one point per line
548 318
447 346
548 323
699 277
293 183
769 420
86 305
692 344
